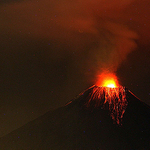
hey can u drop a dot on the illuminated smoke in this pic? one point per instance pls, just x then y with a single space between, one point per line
113 99
100 32
95 24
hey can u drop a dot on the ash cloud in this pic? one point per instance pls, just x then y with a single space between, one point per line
101 33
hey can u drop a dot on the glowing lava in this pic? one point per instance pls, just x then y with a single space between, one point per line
112 98
108 94
110 83
107 80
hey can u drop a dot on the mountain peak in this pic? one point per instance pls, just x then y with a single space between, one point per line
85 123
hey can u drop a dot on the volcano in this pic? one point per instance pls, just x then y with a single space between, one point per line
100 118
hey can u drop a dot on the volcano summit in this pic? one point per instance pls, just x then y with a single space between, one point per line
100 118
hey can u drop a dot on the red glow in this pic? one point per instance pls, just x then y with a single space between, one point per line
107 80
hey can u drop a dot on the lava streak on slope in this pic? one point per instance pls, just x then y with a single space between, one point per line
113 99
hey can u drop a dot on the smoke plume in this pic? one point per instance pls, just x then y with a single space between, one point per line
100 32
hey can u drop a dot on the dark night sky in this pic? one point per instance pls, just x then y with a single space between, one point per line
52 50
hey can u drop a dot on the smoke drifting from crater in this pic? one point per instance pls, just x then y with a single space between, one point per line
50 50
99 31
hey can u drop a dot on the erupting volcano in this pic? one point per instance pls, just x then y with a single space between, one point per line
110 95
101 117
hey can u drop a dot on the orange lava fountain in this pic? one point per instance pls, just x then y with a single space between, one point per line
108 94
107 80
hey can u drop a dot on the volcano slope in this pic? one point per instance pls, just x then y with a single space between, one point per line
78 126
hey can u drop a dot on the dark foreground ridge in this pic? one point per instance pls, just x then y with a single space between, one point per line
98 119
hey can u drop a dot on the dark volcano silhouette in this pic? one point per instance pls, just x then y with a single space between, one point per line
78 126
